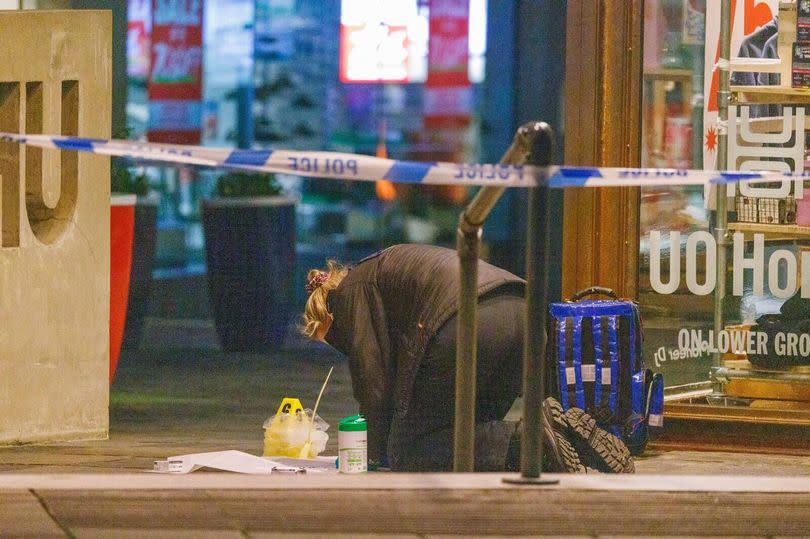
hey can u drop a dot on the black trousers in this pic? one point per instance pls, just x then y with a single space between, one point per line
422 440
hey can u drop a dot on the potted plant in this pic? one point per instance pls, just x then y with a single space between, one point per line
250 252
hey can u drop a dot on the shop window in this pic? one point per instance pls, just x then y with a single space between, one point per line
275 75
731 329
363 83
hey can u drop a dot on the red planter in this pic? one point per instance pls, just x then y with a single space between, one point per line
122 227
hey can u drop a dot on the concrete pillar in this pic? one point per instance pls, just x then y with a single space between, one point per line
55 77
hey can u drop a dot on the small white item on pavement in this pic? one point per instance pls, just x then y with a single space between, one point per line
319 464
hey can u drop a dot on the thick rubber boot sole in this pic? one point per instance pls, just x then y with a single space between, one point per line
559 455
597 447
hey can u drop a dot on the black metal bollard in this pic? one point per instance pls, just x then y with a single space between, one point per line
534 350
533 144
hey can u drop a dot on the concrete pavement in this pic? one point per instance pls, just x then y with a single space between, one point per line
169 400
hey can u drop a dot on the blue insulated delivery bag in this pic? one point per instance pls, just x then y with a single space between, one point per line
596 364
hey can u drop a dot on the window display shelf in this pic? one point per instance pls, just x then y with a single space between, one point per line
667 74
661 84
750 394
742 380
771 95
757 65
798 373
768 124
702 408
772 232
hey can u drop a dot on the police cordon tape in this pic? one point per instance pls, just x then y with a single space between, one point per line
346 166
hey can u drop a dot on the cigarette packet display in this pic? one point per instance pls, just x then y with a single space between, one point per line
801 66
803 21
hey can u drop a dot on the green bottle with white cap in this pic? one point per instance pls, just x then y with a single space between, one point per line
353 444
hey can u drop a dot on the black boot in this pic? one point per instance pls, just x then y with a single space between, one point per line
558 453
597 448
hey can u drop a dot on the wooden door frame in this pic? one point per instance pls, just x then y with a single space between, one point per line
603 84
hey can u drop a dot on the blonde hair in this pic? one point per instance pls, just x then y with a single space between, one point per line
316 311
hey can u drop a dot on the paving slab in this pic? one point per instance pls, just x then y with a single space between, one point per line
155 533
532 511
126 509
170 402
23 515
721 463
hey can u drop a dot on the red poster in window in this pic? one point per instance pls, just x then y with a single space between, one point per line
448 96
175 77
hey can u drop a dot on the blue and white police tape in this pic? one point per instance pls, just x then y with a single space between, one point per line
346 166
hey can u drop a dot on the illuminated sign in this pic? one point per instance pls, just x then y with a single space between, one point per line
383 41
139 29
387 40
448 96
374 53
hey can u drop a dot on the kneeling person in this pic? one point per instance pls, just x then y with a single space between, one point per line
394 316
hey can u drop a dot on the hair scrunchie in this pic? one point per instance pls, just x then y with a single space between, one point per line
317 281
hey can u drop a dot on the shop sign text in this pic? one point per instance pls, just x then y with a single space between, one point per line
756 264
693 343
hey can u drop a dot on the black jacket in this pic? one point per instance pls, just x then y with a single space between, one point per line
385 311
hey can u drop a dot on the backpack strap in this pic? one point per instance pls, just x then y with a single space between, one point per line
579 386
562 361
613 353
602 377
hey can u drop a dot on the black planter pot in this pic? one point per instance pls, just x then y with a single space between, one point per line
143 258
250 252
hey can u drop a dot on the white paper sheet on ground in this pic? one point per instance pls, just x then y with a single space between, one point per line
229 461
241 462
